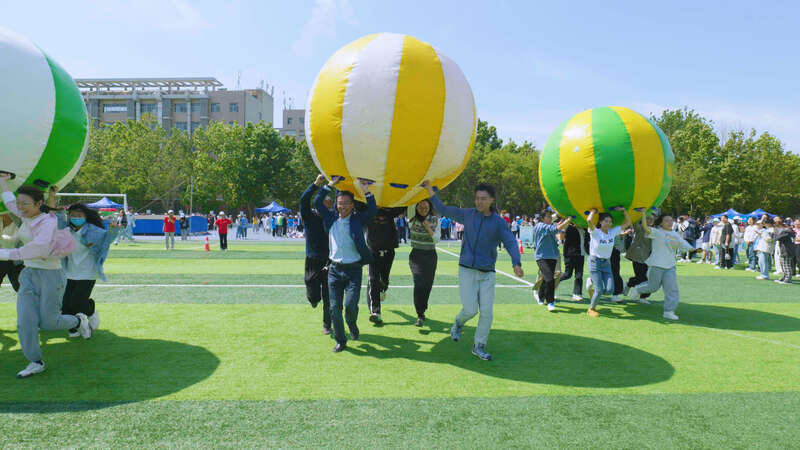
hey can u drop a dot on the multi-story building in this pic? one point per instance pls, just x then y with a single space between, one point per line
182 103
294 123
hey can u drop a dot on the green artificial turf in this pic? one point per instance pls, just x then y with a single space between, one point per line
228 366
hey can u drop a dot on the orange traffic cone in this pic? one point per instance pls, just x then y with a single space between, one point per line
521 248
208 248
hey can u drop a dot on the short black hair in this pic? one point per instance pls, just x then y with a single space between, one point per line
603 216
346 194
485 187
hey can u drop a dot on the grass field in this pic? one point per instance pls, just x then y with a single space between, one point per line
223 350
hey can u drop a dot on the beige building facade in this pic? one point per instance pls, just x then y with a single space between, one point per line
294 123
182 103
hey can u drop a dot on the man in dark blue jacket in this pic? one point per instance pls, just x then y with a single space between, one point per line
316 273
483 230
348 253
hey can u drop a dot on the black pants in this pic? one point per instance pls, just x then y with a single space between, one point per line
223 241
639 276
726 258
8 268
316 278
423 269
76 298
574 263
378 281
547 290
615 272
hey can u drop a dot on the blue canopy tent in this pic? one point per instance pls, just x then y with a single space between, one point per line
731 213
104 203
273 207
758 213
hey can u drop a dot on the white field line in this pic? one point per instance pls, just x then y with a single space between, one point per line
733 333
525 282
454 286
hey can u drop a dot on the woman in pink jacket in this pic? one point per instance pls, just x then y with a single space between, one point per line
42 281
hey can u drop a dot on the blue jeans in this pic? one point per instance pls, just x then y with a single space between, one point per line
764 263
602 278
751 256
344 283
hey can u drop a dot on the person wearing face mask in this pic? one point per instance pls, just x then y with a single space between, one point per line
601 245
484 229
84 266
661 272
42 281
348 252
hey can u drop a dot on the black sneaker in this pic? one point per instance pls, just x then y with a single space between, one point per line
420 320
376 319
339 348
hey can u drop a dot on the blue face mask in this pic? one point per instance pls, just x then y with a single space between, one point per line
77 221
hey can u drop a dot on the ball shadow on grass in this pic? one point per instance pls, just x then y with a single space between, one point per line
104 371
527 356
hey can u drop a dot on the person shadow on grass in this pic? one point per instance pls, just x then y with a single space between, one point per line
521 355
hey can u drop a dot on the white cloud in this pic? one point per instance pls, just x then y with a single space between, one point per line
322 24
162 15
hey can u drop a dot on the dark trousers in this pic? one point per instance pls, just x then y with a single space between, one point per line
423 269
401 233
639 276
316 278
547 290
378 281
726 257
223 241
76 298
344 288
8 268
615 272
574 263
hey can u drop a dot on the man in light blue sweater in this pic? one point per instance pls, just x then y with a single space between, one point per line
484 229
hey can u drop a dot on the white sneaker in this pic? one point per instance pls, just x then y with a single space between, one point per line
551 307
536 297
32 369
643 301
577 297
633 292
717 267
762 277
699 262
84 328
74 334
94 320
670 315
616 299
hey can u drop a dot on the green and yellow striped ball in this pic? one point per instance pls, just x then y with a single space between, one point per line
606 157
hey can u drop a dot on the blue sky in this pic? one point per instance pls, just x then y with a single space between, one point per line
530 64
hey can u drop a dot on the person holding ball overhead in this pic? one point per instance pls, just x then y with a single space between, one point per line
601 246
484 229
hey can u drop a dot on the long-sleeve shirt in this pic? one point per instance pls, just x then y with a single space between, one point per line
665 244
482 234
36 235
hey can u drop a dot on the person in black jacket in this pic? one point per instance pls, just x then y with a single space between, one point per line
316 270
576 247
382 240
784 237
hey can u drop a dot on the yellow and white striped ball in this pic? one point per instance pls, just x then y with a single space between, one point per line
603 158
394 110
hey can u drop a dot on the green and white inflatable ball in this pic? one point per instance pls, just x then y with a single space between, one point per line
43 121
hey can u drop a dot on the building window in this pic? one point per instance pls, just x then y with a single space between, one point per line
180 125
231 123
195 125
180 107
195 107
148 108
291 133
215 107
302 120
115 107
233 107
289 121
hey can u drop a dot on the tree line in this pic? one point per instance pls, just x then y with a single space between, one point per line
232 167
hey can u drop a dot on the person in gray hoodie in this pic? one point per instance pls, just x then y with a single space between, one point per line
484 229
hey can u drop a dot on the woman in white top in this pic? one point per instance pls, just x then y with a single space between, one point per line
42 281
661 263
601 245
765 246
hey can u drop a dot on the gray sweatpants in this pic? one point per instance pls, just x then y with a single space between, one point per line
477 294
39 307
169 239
667 279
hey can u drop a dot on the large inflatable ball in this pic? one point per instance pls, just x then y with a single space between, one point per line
43 120
605 158
394 110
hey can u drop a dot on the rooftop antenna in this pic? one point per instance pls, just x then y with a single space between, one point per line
238 79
